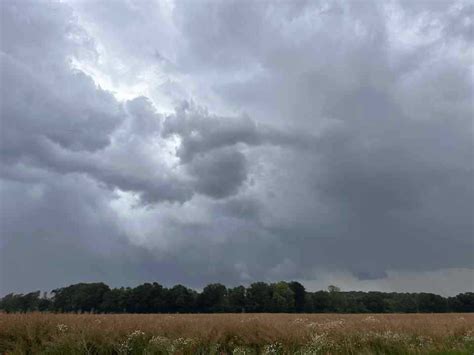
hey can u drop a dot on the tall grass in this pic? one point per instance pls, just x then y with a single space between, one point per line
236 334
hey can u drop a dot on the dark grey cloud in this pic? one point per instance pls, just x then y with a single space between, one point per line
309 140
201 132
59 231
219 174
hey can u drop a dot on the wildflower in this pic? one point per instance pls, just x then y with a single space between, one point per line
318 343
134 339
171 346
163 343
159 340
424 341
62 328
124 347
136 334
182 343
275 348
469 336
327 325
241 351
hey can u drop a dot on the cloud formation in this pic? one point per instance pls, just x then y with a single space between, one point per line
236 141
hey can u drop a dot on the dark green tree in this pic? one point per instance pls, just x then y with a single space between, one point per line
322 302
115 301
146 298
180 299
259 296
431 303
300 295
374 302
213 298
283 298
82 297
236 299
464 302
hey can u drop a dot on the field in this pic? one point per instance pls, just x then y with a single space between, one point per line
34 333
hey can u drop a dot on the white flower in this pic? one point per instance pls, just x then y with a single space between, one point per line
274 348
241 351
124 347
136 334
424 341
62 328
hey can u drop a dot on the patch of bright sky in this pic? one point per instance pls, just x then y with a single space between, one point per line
128 74
406 33
122 92
121 75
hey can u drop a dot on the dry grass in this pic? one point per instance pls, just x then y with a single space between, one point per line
237 333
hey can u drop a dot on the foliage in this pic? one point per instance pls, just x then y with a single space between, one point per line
286 297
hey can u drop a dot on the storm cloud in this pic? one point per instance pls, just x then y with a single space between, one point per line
235 141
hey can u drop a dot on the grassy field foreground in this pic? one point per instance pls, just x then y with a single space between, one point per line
237 334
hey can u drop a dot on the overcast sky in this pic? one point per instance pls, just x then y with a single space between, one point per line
196 141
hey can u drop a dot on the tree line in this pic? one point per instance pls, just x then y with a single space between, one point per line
279 297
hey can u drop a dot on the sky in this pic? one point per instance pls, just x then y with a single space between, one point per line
195 141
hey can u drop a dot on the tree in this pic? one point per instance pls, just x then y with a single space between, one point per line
146 298
259 295
115 301
321 302
236 299
404 302
44 303
353 302
180 299
213 298
429 302
283 298
374 302
11 303
82 297
308 303
337 300
300 295
464 302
